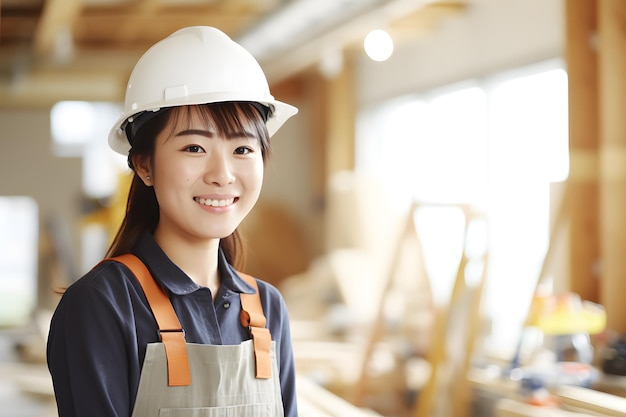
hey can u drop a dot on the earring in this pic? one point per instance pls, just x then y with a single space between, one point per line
148 178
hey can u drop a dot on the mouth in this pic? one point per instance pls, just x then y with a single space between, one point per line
215 203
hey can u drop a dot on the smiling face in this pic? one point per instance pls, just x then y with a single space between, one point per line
207 176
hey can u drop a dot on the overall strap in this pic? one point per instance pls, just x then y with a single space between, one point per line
252 317
171 332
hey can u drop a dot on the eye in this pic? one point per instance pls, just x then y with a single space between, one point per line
243 150
194 149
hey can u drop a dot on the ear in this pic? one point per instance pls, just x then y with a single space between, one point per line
143 168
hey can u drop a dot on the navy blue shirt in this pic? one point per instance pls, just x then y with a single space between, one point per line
102 324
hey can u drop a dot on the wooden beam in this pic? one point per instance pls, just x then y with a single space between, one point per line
41 89
149 5
140 30
340 117
57 16
582 195
152 20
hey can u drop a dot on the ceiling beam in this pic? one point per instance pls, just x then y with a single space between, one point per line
42 89
295 58
57 19
94 54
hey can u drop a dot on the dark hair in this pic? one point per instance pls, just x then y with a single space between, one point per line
142 207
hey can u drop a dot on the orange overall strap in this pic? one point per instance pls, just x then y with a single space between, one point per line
170 330
252 317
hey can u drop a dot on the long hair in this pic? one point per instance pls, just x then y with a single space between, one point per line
142 207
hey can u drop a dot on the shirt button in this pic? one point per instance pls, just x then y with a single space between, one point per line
226 305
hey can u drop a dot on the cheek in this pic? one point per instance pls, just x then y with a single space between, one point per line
173 170
258 174
170 177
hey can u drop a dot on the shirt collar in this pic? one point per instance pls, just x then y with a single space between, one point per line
170 276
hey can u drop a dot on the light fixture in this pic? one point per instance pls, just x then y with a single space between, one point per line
378 45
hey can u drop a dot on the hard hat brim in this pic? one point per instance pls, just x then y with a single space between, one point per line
118 140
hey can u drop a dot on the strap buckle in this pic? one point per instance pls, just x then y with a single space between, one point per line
159 331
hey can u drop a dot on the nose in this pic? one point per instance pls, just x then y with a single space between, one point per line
219 170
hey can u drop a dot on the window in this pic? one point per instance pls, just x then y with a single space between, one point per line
497 144
18 259
81 129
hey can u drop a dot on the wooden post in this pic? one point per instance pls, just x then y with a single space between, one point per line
612 70
340 118
334 95
582 195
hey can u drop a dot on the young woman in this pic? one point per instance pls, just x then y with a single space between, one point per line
196 127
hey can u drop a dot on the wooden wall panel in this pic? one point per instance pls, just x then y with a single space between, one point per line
582 188
596 202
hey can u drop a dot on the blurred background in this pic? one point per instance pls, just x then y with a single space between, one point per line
444 216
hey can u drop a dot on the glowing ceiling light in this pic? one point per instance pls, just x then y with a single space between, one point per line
378 45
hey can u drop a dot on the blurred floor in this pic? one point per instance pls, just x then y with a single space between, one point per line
25 386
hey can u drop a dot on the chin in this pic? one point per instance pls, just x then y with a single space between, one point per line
217 234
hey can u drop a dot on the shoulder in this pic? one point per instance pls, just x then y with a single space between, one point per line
272 299
105 274
103 299
105 281
268 290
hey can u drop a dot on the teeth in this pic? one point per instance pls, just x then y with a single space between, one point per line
214 203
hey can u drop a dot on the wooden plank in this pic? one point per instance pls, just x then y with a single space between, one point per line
591 401
316 401
512 408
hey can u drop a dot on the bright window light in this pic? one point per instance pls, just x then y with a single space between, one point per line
19 220
529 151
81 129
72 124
498 144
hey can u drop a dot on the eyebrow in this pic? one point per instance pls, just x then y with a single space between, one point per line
210 134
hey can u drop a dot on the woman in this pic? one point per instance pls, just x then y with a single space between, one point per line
196 127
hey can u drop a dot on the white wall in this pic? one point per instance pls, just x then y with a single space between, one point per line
491 35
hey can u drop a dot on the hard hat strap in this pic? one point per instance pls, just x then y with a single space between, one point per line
136 122
263 110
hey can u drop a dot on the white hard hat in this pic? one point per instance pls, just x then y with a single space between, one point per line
195 65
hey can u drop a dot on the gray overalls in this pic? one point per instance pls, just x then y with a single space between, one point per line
180 379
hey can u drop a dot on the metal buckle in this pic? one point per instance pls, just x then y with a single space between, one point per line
159 331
